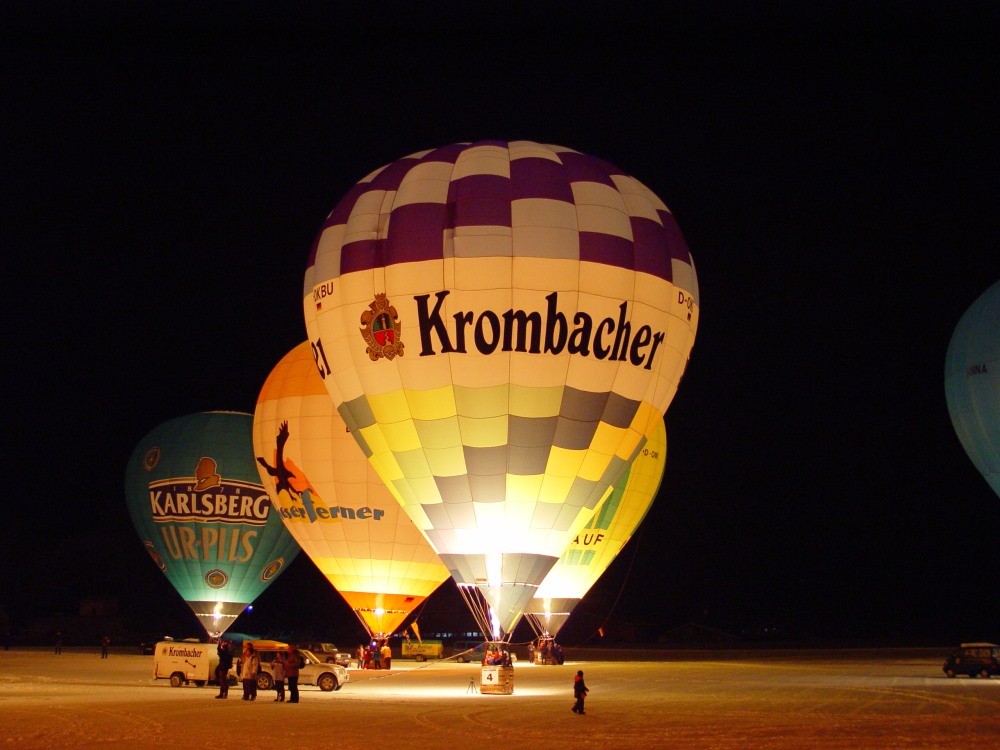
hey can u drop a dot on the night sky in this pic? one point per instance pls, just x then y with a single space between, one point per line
164 174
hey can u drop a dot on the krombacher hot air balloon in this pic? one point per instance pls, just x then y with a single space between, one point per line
195 498
596 546
496 321
972 383
334 503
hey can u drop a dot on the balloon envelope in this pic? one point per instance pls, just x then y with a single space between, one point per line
334 503
972 383
496 322
597 545
196 501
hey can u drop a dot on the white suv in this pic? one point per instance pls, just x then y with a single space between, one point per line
326 677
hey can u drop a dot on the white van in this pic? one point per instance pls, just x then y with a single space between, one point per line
182 662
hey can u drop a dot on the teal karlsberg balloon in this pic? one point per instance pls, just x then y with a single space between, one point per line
194 494
972 383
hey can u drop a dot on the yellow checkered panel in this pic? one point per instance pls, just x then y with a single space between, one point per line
598 543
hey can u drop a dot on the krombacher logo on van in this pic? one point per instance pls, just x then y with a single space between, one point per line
535 332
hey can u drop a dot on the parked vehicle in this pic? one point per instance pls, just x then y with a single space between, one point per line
422 651
982 659
327 652
464 651
182 662
325 676
147 644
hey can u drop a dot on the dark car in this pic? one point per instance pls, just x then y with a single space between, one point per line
464 651
973 659
327 652
147 644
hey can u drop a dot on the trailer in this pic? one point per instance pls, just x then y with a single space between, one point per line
183 662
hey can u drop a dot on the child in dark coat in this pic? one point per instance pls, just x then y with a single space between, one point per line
579 692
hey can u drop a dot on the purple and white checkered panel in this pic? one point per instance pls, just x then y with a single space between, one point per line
400 213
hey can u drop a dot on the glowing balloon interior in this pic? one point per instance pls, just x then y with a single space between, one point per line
597 545
205 519
972 383
333 502
496 322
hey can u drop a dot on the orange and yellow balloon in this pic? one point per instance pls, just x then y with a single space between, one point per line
334 504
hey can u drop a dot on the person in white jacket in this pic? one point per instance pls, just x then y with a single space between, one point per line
249 667
278 672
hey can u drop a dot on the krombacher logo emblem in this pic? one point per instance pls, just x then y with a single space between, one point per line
381 330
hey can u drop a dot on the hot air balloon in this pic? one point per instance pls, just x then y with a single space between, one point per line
196 500
496 322
596 546
334 503
972 383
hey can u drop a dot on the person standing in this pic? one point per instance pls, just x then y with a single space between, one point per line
222 670
579 692
386 652
59 640
105 642
278 672
248 672
292 663
361 656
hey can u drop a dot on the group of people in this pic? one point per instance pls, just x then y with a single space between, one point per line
497 657
547 652
284 668
58 644
375 655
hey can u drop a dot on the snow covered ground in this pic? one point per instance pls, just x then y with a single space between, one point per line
847 702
